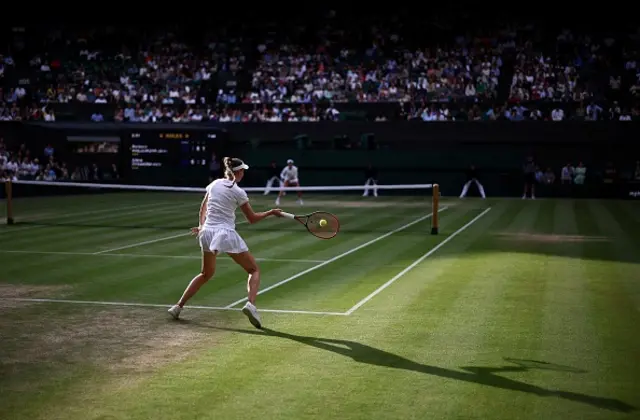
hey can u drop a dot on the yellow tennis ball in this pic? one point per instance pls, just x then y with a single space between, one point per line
323 223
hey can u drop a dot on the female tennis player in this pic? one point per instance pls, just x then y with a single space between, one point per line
217 233
289 176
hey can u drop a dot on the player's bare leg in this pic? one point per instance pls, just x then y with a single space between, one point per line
246 261
208 269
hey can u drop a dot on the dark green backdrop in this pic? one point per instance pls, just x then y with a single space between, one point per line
403 152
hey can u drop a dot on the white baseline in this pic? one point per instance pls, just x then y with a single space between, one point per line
415 263
158 305
337 257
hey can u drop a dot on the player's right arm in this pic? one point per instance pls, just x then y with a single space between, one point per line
253 217
242 200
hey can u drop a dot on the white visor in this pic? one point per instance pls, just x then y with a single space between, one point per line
290 161
237 168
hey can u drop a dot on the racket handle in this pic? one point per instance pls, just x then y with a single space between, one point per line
288 215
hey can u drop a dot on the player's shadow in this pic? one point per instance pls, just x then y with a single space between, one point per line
488 376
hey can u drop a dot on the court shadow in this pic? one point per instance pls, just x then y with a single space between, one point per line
486 376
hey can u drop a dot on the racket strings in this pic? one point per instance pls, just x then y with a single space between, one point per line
325 230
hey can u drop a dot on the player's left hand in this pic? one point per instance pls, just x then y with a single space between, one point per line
195 230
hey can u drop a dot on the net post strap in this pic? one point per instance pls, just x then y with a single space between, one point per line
435 223
202 189
9 193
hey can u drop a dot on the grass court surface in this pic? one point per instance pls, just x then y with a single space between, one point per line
517 310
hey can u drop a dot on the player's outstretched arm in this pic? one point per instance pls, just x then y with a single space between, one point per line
253 217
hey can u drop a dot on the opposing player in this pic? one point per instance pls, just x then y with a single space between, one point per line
289 176
217 233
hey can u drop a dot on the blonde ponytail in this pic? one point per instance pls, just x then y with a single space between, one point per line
228 172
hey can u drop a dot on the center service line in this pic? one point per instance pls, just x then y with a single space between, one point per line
415 263
336 258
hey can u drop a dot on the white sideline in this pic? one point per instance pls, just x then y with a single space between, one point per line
185 257
415 263
157 305
337 257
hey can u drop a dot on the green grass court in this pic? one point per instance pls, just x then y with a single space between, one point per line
529 310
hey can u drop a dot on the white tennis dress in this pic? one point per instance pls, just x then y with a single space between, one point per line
219 231
290 174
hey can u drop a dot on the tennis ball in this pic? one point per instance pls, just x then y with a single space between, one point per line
323 223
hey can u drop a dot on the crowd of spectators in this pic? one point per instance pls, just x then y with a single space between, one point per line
21 163
313 72
573 67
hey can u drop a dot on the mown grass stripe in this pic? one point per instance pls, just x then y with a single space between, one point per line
339 286
337 257
507 313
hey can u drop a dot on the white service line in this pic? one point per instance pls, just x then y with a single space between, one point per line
185 257
157 305
67 215
84 213
337 257
415 263
151 241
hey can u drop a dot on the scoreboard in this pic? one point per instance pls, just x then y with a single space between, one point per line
173 157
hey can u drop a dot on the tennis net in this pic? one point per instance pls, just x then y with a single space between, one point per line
149 206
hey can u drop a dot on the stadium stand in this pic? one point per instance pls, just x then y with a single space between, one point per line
400 68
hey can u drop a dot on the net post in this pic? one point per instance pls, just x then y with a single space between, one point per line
8 190
435 205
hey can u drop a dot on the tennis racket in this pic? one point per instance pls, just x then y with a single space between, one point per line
319 223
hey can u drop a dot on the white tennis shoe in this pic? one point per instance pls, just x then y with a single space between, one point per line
251 312
175 311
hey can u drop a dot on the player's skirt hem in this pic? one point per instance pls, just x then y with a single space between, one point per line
221 240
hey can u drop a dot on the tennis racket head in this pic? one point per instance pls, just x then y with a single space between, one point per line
315 225
323 230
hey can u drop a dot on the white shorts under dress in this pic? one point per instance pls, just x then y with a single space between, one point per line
221 240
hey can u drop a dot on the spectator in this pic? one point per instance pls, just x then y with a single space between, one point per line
580 174
49 151
557 114
566 174
97 117
549 177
